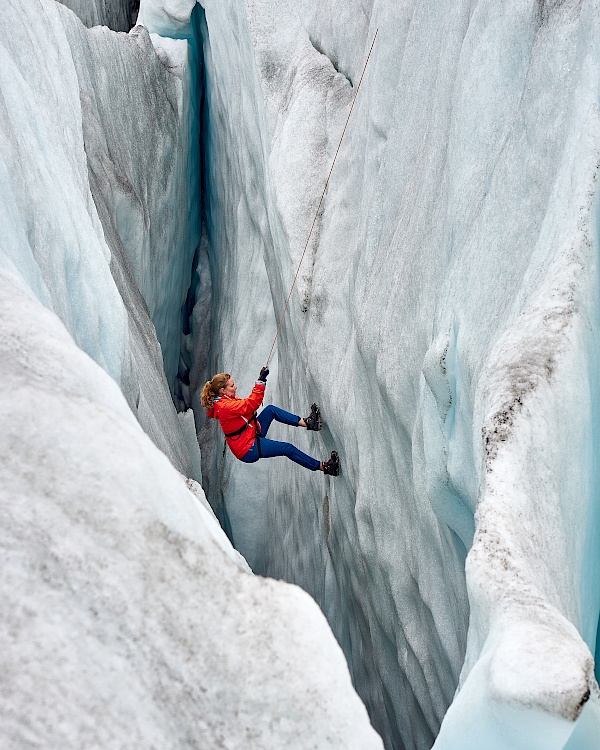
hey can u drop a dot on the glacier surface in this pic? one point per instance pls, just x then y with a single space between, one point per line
446 322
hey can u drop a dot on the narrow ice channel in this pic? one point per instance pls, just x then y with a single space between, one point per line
156 188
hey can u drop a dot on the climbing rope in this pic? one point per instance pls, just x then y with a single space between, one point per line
321 201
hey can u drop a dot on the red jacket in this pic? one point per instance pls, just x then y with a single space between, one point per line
234 413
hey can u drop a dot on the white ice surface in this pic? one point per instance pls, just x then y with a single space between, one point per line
445 320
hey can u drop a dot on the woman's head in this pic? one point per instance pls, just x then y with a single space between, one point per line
220 384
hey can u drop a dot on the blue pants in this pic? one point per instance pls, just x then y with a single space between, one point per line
272 448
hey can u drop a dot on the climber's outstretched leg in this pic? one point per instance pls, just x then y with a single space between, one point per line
273 448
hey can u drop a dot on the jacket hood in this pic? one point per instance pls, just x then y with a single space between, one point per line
211 412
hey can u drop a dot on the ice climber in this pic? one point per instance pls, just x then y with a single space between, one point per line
245 431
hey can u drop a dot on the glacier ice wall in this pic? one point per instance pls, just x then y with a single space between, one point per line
446 322
126 620
150 217
105 249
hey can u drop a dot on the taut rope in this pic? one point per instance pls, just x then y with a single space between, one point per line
321 201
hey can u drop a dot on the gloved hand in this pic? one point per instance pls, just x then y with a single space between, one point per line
263 374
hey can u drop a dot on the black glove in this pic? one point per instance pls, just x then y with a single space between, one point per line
263 374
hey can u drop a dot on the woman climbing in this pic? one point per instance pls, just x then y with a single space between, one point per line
245 432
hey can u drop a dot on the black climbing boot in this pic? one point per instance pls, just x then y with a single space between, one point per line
332 466
313 421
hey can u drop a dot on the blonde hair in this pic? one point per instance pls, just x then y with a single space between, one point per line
212 388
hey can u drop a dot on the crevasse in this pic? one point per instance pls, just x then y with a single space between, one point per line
444 321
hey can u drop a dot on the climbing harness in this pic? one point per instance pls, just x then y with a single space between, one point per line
238 432
321 200
248 422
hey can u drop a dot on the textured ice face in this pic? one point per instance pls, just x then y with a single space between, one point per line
443 322
109 242
119 15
